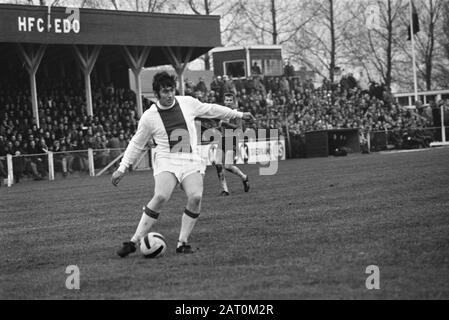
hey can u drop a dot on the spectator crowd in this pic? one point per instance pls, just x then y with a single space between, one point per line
285 103
65 127
288 104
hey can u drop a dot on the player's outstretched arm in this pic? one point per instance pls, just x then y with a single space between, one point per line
248 116
209 110
227 125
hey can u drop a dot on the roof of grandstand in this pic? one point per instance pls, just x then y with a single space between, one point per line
56 28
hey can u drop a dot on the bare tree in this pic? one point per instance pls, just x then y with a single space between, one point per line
229 10
147 5
442 65
132 5
114 3
445 39
94 4
277 20
427 45
274 22
38 2
333 45
376 48
429 51
320 45
433 11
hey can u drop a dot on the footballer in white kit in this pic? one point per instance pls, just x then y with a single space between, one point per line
170 123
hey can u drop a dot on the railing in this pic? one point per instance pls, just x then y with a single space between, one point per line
47 165
403 138
381 140
95 162
407 99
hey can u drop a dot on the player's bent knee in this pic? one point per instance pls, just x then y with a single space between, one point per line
228 167
160 198
195 198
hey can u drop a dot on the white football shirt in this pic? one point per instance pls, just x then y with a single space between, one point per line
173 129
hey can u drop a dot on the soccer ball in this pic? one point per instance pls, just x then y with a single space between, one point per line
153 245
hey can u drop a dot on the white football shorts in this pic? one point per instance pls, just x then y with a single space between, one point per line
180 167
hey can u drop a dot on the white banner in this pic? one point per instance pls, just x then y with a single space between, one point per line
262 151
248 152
208 152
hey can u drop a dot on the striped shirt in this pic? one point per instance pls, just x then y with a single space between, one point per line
173 129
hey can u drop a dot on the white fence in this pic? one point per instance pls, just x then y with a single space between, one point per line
407 99
47 164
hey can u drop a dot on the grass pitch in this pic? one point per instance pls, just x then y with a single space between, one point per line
308 232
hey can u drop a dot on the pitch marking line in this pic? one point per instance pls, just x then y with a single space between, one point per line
404 151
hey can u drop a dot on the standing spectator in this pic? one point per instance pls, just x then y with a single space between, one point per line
18 161
3 173
60 158
238 85
189 87
114 145
216 84
228 86
122 141
67 147
250 85
34 164
289 70
255 69
352 82
201 86
81 156
259 87
101 155
284 86
2 144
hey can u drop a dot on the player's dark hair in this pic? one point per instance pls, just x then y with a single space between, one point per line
163 80
230 94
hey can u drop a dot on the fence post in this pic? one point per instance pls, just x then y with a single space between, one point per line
51 166
443 129
386 139
90 155
10 170
368 136
287 133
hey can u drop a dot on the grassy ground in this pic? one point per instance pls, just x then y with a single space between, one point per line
308 232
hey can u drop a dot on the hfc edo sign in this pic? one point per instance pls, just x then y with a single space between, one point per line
69 24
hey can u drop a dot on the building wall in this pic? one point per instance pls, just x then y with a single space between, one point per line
147 78
220 57
261 56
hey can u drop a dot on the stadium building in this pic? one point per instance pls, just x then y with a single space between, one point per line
74 43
